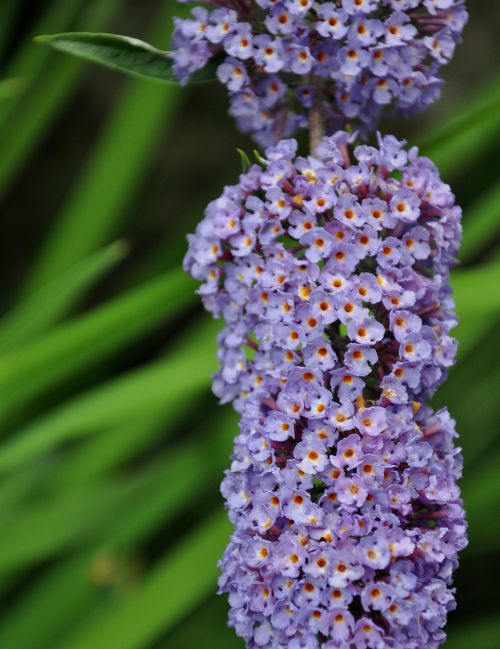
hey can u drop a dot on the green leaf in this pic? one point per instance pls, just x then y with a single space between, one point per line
481 224
77 345
183 578
211 616
479 633
160 386
470 332
8 10
245 160
11 88
36 621
481 493
482 103
24 122
457 142
122 53
472 399
46 307
473 291
117 52
69 517
116 167
27 60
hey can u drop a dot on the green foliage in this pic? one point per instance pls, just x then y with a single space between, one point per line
122 53
111 447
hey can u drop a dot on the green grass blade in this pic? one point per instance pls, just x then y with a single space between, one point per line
472 399
66 592
182 580
26 62
113 173
162 385
43 530
481 224
473 292
8 9
457 142
470 331
28 120
211 616
481 492
11 88
484 102
185 476
77 345
43 309
480 633
67 519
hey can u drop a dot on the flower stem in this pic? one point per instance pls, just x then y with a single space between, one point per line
316 127
316 124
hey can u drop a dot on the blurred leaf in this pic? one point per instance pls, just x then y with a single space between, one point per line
474 293
168 383
11 88
469 332
470 395
481 492
211 616
44 529
186 475
481 224
92 337
26 61
68 517
49 305
115 170
480 633
27 120
182 579
8 9
483 102
456 141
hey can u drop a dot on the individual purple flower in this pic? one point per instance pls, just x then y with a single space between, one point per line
353 59
343 484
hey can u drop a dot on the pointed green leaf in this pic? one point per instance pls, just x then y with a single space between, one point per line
184 578
169 383
44 308
11 88
78 344
245 160
473 290
24 122
113 173
123 53
481 224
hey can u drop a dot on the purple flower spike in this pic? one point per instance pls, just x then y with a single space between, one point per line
352 58
331 274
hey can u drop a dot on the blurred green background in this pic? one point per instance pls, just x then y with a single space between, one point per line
112 446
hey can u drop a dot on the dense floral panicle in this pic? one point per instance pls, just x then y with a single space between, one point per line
352 57
331 273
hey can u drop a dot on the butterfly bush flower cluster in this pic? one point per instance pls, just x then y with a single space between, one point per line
353 58
331 273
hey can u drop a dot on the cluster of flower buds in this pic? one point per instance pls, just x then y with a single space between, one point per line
353 58
331 273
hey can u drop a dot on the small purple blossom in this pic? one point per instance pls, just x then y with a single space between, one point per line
365 54
332 278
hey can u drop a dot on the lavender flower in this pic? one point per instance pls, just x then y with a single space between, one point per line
351 58
331 273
